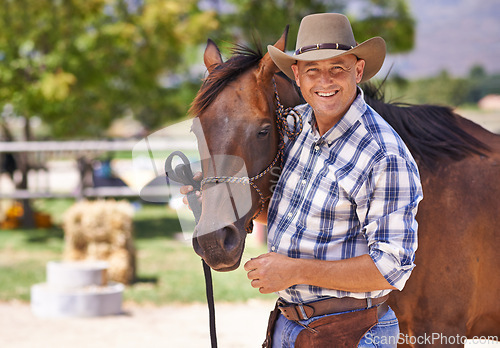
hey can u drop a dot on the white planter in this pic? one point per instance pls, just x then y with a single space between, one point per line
94 301
76 274
76 289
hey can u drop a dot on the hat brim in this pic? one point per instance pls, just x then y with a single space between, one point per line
372 51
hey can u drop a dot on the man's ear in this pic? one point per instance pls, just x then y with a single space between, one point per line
295 70
360 68
211 57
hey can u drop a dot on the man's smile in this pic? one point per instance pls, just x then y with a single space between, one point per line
326 94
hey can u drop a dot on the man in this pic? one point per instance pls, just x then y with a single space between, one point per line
342 229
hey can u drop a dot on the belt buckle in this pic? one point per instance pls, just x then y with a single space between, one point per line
302 312
299 313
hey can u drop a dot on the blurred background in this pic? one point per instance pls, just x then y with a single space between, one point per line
75 69
82 81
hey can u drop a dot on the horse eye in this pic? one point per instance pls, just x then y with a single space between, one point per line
263 132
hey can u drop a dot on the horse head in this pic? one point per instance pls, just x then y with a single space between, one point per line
238 141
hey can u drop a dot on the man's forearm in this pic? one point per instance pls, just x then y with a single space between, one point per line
275 272
358 274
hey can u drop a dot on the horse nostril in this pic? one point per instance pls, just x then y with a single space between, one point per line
228 237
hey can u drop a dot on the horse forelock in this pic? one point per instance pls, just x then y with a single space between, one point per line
431 132
243 59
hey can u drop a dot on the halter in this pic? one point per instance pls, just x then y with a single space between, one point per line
282 114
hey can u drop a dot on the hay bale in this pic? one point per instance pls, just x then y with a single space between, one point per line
120 269
102 230
74 239
98 251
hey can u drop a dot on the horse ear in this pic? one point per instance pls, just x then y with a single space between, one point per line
281 43
267 66
212 56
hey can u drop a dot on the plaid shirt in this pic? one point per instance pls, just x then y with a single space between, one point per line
350 192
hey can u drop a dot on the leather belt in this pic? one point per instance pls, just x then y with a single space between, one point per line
303 311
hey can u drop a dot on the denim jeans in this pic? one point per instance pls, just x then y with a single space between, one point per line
384 334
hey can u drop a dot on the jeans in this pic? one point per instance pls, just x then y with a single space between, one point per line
384 334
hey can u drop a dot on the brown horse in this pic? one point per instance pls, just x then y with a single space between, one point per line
236 109
453 290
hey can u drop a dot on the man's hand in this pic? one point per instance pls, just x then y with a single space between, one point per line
271 272
188 188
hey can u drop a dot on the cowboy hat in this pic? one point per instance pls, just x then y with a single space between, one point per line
327 35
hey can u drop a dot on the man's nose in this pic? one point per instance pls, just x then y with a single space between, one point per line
327 77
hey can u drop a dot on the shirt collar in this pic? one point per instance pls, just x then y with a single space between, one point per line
351 117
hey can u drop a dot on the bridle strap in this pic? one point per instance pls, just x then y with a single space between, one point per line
245 180
282 114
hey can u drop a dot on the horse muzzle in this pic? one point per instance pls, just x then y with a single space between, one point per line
221 249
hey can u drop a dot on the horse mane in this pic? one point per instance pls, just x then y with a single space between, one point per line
431 132
242 59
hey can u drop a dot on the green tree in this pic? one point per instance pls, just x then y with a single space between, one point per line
442 89
390 19
480 84
78 64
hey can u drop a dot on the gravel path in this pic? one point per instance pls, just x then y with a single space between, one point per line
239 325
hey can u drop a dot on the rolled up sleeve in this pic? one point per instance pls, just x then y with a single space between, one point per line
394 192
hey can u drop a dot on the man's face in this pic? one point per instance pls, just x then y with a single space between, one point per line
329 86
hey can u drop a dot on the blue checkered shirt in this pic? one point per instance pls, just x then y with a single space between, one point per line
353 191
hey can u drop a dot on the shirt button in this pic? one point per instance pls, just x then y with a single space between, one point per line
290 215
329 142
316 148
304 182
273 248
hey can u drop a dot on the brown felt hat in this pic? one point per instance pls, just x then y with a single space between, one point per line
327 35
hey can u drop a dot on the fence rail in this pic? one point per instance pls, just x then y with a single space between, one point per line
94 148
88 145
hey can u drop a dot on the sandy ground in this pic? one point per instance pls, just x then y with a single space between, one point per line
239 325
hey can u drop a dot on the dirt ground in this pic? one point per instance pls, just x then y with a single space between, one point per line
239 325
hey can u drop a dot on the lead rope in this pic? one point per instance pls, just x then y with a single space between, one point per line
209 289
282 115
183 174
